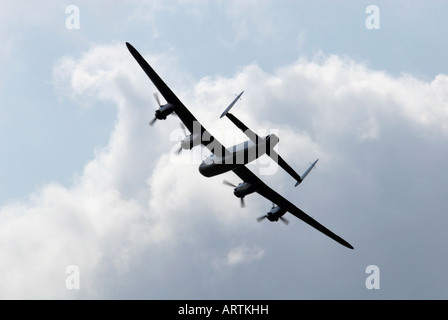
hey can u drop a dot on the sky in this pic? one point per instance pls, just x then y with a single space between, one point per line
95 204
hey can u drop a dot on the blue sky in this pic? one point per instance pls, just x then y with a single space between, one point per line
206 38
80 167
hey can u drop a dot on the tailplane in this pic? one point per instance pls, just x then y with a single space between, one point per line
266 143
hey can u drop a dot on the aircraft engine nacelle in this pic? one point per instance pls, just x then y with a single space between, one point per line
275 213
243 189
164 111
191 141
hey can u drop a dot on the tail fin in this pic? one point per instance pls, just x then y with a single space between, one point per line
306 172
231 105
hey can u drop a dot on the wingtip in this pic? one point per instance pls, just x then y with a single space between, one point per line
130 47
343 242
348 245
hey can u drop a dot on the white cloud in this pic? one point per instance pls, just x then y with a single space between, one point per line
242 254
238 255
100 220
249 17
133 208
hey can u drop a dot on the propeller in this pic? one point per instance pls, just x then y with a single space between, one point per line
243 205
284 220
228 183
156 96
151 123
185 133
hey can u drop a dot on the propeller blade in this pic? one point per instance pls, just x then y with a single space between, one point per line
243 205
228 183
156 96
259 219
183 128
284 220
152 121
185 133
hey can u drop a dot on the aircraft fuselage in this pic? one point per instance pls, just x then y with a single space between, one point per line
238 155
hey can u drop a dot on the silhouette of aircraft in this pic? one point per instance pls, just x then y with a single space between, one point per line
235 158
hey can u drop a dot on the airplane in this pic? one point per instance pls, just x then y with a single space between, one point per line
234 159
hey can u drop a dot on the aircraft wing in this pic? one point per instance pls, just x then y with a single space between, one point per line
248 176
184 114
